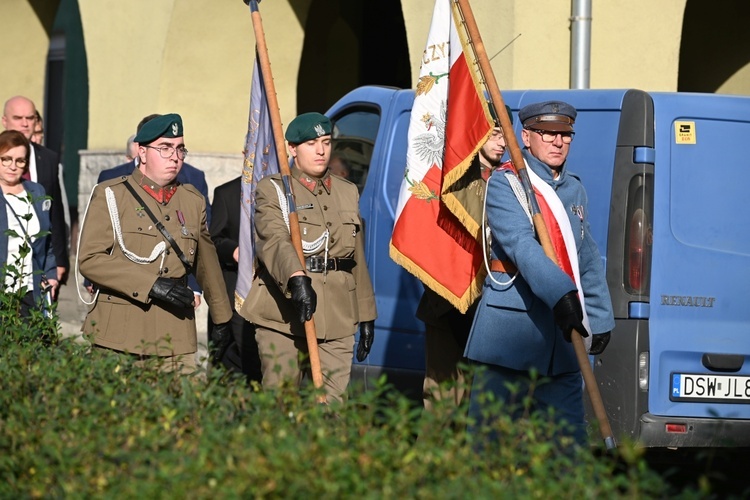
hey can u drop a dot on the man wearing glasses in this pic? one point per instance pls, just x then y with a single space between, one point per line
521 332
188 175
141 237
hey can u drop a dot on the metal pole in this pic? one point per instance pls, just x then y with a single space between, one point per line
580 44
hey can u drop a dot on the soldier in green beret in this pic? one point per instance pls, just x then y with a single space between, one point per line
141 236
334 283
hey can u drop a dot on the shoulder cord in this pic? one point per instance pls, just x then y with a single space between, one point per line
517 188
308 247
114 217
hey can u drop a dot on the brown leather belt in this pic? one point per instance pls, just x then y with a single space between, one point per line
503 266
317 264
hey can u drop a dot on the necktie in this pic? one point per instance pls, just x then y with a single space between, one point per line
26 175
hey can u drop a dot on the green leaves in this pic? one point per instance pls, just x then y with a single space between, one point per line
81 422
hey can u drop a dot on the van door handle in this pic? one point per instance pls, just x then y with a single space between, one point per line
723 362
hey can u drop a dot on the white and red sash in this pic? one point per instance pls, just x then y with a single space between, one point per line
561 233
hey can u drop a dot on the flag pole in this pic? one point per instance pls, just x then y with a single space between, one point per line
475 39
273 107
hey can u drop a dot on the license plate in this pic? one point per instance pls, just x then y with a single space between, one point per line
718 388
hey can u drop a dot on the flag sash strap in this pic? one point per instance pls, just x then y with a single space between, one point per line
561 234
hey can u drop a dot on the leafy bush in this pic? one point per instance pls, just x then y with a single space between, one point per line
76 423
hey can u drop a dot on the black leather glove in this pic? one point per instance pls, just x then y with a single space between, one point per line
221 339
366 338
599 343
172 292
569 315
303 296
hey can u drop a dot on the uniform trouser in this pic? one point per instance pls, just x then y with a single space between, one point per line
444 379
281 360
563 393
184 364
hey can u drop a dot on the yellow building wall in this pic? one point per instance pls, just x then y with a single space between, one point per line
195 57
24 43
636 43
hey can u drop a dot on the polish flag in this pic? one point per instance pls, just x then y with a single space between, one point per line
433 236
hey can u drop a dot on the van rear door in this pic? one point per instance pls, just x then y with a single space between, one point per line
699 324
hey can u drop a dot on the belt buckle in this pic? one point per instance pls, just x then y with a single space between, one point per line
316 264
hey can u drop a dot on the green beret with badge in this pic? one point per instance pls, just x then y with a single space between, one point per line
308 126
162 126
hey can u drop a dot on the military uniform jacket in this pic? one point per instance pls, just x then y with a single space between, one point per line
343 298
124 317
514 326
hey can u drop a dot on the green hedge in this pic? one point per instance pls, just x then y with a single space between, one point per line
77 424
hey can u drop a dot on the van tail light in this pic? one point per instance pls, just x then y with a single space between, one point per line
639 235
636 250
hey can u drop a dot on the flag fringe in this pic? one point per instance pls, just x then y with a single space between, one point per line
462 303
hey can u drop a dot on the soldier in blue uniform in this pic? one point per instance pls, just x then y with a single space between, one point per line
530 304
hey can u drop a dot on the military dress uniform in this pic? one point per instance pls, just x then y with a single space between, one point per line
514 330
124 317
339 277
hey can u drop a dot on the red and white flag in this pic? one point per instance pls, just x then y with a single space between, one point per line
450 121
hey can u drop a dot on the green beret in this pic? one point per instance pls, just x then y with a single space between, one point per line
162 126
308 126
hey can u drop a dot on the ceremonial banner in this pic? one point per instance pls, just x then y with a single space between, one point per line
260 160
434 237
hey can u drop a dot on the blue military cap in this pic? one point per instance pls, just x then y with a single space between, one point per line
162 126
555 116
308 126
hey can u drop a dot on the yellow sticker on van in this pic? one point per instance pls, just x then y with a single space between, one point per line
684 132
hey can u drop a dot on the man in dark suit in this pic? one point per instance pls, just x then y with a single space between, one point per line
242 354
20 114
187 175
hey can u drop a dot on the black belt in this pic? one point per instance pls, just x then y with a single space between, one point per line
317 264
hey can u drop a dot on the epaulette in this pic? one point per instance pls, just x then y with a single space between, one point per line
191 189
115 181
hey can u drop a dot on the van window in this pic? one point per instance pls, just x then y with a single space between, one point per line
354 133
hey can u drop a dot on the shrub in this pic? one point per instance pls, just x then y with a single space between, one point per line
77 424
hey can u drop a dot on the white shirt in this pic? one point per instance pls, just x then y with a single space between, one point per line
19 204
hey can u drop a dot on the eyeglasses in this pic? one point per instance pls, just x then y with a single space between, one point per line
166 152
547 136
7 161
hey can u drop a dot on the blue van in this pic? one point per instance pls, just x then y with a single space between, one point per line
665 174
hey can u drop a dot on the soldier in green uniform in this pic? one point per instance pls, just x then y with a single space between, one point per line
334 283
141 236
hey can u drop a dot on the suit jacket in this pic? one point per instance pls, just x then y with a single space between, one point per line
188 175
48 175
514 325
42 257
124 317
225 229
344 298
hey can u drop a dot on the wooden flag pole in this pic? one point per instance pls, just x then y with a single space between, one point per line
273 107
475 40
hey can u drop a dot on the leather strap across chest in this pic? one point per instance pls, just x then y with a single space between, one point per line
162 229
